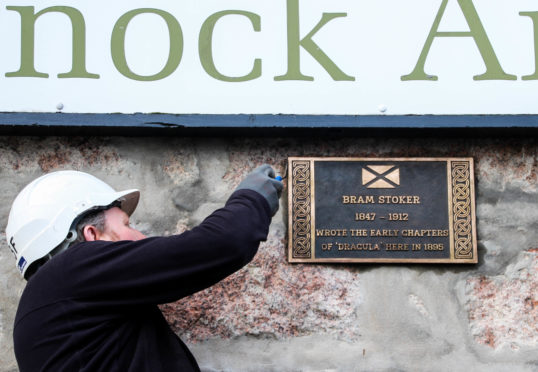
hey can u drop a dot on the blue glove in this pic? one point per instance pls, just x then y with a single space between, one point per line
262 180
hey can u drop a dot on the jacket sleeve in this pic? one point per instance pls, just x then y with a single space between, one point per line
164 269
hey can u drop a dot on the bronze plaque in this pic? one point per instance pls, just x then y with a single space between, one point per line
381 210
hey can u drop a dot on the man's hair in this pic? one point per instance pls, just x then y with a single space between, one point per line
95 218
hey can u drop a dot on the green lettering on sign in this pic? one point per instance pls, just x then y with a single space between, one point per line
205 46
534 18
28 20
494 70
295 43
117 44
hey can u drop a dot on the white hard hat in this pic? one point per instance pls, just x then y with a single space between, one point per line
43 213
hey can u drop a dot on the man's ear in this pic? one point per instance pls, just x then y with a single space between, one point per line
91 233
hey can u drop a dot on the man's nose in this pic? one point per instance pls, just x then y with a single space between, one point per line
139 235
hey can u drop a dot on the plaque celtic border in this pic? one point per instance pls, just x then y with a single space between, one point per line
301 220
461 210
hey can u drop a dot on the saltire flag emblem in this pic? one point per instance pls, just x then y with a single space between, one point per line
380 176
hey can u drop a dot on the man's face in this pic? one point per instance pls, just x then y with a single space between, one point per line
117 227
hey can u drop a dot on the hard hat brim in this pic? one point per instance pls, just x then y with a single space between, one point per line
129 200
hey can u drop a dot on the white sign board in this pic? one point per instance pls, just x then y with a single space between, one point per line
330 57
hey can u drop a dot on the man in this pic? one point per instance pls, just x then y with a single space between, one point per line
94 282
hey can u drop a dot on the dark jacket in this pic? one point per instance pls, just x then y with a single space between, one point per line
94 307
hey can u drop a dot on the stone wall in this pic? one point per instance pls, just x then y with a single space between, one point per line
273 316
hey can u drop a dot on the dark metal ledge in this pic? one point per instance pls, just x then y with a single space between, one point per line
23 123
